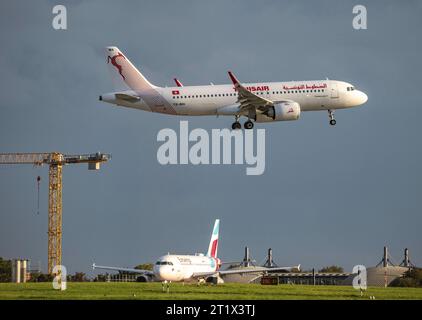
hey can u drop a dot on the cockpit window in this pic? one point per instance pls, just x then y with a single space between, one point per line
350 88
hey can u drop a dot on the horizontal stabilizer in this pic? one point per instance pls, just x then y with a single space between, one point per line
127 97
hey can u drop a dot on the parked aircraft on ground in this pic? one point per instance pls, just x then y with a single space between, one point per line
176 267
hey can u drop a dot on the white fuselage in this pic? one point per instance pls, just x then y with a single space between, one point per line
183 267
222 99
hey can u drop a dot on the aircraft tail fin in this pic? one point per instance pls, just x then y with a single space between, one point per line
212 248
126 71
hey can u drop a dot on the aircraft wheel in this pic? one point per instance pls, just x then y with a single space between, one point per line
248 125
333 122
236 125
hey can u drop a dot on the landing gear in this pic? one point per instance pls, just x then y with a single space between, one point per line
331 115
236 124
248 125
166 286
200 281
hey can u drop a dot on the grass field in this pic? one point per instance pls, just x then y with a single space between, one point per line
192 291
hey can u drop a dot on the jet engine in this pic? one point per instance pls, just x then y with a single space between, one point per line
283 111
143 278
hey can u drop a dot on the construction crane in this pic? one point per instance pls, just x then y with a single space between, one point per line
56 161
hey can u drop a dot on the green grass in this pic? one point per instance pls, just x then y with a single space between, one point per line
192 291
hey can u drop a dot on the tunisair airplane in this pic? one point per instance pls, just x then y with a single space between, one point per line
200 267
258 102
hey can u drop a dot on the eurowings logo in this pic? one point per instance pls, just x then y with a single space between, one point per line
114 63
214 248
290 110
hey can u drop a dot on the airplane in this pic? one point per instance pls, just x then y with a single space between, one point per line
259 102
178 83
200 267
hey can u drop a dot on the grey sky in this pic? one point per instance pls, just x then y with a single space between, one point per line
328 195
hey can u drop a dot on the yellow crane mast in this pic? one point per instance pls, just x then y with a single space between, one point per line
56 161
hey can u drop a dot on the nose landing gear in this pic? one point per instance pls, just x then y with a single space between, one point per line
331 115
166 286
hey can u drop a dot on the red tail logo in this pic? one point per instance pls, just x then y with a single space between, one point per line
114 63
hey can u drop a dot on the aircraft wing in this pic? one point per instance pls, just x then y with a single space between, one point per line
246 270
247 99
127 97
148 272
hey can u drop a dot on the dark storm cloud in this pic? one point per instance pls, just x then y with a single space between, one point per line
329 195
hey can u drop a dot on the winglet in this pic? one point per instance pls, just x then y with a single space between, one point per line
233 78
178 83
93 266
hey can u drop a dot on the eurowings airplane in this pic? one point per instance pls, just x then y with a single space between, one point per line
259 102
175 267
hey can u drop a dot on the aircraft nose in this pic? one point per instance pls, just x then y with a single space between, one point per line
362 97
162 272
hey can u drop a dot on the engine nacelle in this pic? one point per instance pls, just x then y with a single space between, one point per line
143 278
283 111
214 280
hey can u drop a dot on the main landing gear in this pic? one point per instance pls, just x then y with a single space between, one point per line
331 115
247 125
236 125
